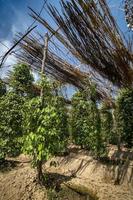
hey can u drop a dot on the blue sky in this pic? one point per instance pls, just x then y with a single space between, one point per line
14 15
14 18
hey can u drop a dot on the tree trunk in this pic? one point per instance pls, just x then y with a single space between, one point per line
119 143
39 172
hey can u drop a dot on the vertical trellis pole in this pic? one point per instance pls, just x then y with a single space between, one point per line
45 50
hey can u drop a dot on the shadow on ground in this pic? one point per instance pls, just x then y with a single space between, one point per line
120 165
7 165
54 180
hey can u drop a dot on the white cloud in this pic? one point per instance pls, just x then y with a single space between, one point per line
3 49
9 61
19 24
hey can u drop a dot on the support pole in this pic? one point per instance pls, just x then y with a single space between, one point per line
45 50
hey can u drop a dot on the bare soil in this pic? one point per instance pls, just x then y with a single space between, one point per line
18 182
78 172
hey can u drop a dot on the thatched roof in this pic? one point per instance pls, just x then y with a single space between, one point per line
91 34
94 35
55 66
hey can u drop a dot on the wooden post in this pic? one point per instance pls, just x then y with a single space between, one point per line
40 162
44 58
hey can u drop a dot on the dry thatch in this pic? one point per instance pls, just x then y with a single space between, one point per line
55 66
94 34
90 33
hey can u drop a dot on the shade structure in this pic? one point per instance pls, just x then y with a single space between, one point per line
89 31
56 67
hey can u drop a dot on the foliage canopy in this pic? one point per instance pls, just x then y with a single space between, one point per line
21 80
86 124
124 115
2 88
10 123
45 125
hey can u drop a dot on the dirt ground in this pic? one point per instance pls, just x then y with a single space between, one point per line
111 180
17 182
77 171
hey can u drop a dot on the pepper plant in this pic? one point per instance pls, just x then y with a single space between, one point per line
10 124
45 127
21 80
86 124
2 88
124 116
107 123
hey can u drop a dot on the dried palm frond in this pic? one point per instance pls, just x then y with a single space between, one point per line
55 66
94 35
90 32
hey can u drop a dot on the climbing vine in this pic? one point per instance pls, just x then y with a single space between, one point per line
45 127
124 116
86 123
11 106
